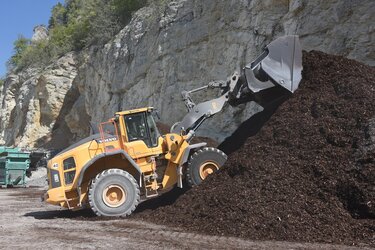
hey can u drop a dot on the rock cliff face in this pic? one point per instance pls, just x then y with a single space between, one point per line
34 103
165 49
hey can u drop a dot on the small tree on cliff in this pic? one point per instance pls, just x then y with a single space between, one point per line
19 47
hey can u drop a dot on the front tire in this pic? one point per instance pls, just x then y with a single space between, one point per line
113 192
202 163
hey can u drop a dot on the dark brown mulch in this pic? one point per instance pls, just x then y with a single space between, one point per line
307 175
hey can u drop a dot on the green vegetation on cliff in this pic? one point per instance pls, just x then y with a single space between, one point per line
73 26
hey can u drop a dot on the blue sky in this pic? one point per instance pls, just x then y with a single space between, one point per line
19 17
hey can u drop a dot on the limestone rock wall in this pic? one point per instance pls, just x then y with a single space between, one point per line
32 103
175 46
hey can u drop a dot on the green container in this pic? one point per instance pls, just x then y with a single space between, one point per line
13 166
7 149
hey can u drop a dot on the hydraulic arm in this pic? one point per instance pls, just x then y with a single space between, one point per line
280 64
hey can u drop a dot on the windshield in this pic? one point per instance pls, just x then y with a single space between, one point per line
141 126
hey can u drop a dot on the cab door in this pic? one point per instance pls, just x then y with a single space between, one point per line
141 135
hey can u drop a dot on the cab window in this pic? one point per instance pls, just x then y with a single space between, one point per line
154 132
141 126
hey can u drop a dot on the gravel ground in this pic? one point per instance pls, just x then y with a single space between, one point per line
38 178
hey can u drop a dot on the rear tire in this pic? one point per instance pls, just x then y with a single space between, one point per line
113 192
202 163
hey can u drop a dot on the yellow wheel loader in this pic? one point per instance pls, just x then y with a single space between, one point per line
128 160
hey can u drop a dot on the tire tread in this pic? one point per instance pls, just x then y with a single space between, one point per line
105 173
189 178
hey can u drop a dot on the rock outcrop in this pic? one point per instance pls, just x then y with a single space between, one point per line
40 33
167 48
33 103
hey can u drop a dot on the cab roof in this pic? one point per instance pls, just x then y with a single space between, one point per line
132 111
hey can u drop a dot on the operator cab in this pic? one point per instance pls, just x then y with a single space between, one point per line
140 125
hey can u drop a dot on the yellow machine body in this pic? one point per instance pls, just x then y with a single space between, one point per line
70 172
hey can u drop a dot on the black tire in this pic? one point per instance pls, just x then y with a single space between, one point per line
120 181
203 157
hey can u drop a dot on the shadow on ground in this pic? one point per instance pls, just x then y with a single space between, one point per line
87 214
163 200
64 214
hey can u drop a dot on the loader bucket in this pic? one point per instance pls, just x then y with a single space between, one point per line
279 64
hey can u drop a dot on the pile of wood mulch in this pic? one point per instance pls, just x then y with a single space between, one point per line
308 174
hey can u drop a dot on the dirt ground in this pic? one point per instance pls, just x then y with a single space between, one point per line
27 223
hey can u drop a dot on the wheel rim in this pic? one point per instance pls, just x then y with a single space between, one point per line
207 168
114 196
